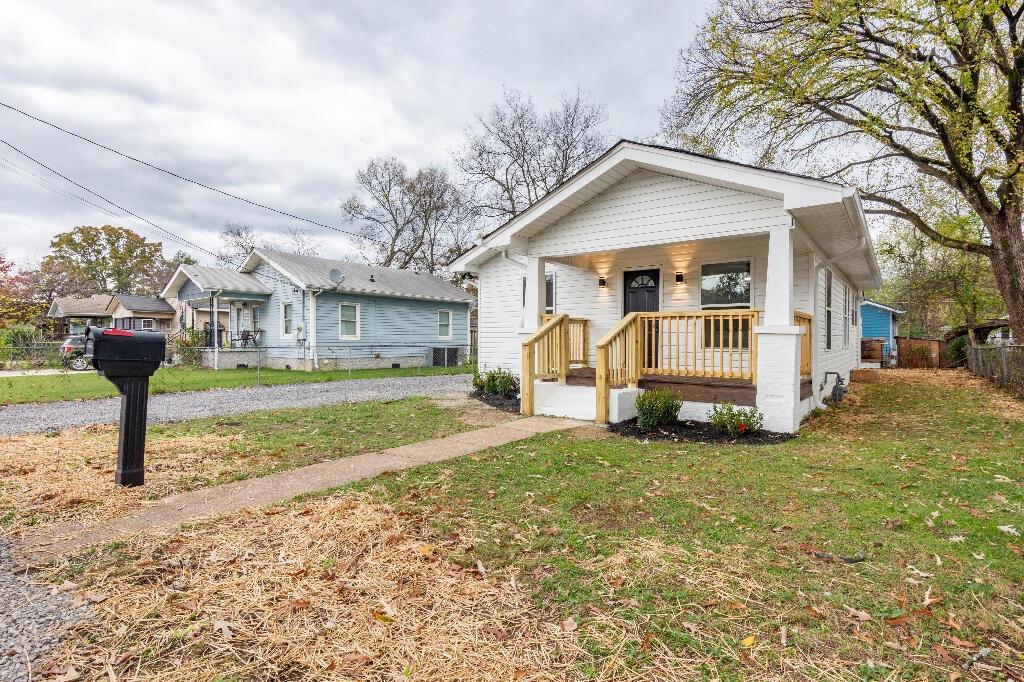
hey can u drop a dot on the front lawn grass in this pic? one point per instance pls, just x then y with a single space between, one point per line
47 478
637 560
73 385
708 549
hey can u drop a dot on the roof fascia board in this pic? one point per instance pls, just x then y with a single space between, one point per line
172 282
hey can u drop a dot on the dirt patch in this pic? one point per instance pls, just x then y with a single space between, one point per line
591 432
70 476
1002 403
510 405
696 432
337 588
471 411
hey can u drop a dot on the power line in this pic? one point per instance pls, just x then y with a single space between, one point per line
184 178
48 185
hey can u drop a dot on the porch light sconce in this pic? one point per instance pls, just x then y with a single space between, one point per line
679 279
602 283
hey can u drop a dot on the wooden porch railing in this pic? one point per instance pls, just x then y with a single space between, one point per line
804 320
714 343
545 356
579 339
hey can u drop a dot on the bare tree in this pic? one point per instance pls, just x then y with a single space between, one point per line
409 221
513 156
239 239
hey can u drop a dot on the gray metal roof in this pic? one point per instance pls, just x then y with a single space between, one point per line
213 279
314 273
144 304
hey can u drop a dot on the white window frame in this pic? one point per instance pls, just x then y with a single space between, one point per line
829 287
723 306
345 337
450 325
290 335
144 320
846 315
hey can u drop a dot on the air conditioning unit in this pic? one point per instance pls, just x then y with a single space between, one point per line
442 356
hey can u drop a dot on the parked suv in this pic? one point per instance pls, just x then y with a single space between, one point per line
71 353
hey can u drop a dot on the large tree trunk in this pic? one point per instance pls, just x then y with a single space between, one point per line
1008 264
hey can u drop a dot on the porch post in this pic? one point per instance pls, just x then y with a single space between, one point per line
778 340
535 294
214 329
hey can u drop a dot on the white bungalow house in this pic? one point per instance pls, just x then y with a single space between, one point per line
655 267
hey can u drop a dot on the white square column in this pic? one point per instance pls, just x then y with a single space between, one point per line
778 340
535 295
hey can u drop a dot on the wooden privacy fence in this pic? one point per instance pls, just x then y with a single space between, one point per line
713 343
920 353
1002 365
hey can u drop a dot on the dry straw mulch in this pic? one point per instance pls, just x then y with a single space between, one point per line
70 476
337 588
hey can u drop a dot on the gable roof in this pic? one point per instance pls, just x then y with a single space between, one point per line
312 272
831 213
882 306
96 305
144 304
214 279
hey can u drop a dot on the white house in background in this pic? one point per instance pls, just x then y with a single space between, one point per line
655 267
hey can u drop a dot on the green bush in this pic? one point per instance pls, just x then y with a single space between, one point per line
654 408
736 421
956 351
499 381
478 380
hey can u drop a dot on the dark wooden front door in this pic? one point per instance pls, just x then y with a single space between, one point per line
641 296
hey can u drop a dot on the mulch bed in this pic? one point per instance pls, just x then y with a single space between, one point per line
504 404
696 432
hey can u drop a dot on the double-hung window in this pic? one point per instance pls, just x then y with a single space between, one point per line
846 316
287 330
147 323
444 324
348 320
255 317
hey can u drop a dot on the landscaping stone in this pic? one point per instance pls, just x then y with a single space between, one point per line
31 620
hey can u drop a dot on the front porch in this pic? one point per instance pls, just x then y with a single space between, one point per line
704 357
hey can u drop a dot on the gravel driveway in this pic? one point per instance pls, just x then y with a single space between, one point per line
171 407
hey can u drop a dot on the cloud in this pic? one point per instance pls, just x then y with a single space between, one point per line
282 102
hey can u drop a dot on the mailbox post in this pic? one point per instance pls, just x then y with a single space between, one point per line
127 359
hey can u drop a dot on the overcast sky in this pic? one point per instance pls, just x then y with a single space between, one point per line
282 102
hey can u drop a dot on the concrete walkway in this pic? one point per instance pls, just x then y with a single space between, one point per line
57 541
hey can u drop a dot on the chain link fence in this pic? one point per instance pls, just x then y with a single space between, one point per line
1002 365
41 355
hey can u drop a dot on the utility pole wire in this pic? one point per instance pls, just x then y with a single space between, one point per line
182 177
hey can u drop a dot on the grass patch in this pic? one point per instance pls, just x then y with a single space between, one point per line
46 479
87 385
614 559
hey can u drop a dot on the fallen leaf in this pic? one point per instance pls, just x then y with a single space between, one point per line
569 624
382 618
1009 529
941 652
962 642
813 611
862 616
748 641
499 635
647 641
896 622
296 604
222 627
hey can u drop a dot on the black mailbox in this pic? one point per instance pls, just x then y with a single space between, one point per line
127 359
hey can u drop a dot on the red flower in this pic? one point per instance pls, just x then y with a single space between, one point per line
743 427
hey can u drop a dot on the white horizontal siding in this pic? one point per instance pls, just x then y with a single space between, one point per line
499 315
840 358
647 208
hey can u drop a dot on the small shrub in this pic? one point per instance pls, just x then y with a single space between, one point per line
736 421
654 408
501 382
956 351
478 380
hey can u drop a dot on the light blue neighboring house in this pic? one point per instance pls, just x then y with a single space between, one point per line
879 321
306 312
